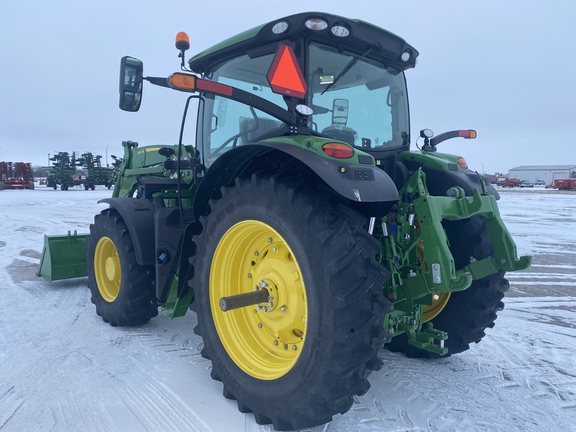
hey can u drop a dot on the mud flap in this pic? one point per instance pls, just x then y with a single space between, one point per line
63 257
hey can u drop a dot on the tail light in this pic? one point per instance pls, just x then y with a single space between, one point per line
338 150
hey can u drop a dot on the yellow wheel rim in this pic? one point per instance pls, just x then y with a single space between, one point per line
107 269
439 301
263 340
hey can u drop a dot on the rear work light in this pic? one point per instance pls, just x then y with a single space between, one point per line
340 30
316 24
338 150
280 27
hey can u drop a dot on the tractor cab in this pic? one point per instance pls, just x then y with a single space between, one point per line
338 78
307 74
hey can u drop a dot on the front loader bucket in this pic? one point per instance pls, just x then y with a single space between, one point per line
63 257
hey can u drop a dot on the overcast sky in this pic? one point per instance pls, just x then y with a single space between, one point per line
504 68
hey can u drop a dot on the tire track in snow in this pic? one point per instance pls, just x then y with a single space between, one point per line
91 415
9 405
538 370
56 360
156 407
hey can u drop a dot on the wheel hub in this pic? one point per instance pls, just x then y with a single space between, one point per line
110 268
264 340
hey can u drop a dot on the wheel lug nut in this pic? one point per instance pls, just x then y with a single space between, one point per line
294 347
275 342
270 304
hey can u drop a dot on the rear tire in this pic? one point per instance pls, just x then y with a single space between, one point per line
467 314
302 359
122 290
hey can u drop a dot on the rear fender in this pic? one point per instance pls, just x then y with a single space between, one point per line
439 182
443 172
364 184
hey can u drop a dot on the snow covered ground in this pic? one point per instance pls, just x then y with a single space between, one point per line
63 369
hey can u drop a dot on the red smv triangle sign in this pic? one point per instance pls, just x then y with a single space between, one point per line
285 76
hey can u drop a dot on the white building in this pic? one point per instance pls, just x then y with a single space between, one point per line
548 173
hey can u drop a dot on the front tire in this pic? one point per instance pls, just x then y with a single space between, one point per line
122 290
300 358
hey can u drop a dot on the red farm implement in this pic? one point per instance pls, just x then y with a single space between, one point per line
565 184
16 175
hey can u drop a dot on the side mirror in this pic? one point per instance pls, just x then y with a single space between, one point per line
131 73
340 112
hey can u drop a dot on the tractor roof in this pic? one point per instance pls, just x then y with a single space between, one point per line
359 36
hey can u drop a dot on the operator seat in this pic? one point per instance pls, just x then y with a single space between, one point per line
341 133
250 128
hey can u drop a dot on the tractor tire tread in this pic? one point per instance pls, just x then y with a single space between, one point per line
355 281
135 304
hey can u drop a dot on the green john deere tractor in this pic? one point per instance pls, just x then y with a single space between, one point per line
297 223
63 171
96 173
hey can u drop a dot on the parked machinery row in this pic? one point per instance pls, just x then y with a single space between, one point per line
68 171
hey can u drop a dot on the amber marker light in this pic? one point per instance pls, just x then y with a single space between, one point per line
184 82
468 133
338 150
190 83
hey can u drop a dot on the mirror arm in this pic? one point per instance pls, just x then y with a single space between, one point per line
159 81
